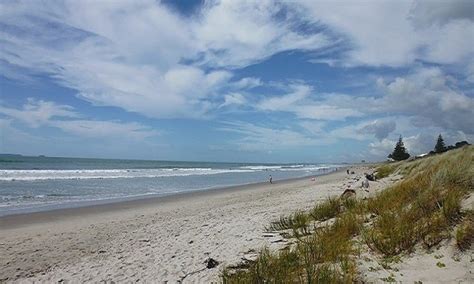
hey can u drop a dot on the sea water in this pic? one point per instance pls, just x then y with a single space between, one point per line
30 184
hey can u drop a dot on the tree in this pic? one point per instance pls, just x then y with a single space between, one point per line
400 152
440 147
461 144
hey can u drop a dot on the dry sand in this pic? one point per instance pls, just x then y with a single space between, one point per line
164 239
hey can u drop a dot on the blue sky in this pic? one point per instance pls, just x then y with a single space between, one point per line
248 81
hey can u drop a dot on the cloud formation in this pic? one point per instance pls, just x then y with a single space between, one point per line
132 54
146 58
299 102
36 114
397 33
380 129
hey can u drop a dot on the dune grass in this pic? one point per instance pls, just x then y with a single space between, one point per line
385 171
298 224
425 206
421 209
324 256
326 210
465 232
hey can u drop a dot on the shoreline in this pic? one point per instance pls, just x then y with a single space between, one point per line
44 213
156 238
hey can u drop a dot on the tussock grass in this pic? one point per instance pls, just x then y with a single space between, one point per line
298 223
385 171
421 209
322 257
465 232
268 268
327 209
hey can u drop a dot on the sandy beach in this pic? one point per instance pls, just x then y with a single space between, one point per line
166 239
236 141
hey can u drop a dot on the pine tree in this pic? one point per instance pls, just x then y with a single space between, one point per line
400 152
440 147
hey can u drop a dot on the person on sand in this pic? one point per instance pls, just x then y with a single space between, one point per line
271 179
365 183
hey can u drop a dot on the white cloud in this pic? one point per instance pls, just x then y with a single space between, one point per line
13 140
298 101
239 33
397 33
469 71
365 130
145 58
125 54
427 12
133 54
37 112
282 103
313 127
381 149
383 38
263 138
381 129
42 113
104 129
233 99
428 94
247 83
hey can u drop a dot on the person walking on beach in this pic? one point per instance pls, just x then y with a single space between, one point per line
271 179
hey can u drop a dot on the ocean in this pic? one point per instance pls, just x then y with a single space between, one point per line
31 184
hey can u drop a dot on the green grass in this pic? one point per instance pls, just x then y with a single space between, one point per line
421 209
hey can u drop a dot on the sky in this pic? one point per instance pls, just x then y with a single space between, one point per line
242 81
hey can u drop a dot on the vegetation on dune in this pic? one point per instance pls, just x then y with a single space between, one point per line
424 208
384 171
465 232
440 147
400 152
326 210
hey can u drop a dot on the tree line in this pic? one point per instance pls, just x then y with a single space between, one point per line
400 152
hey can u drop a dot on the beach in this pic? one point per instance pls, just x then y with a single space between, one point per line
161 239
